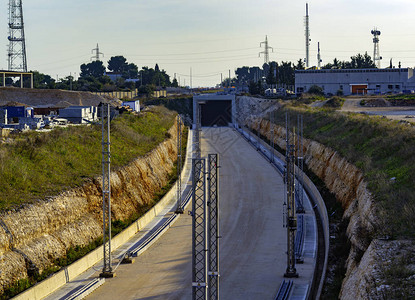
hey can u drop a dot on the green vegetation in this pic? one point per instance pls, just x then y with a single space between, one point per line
334 102
34 165
23 284
402 100
381 148
181 104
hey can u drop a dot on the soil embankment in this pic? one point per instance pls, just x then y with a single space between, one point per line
49 98
35 235
368 257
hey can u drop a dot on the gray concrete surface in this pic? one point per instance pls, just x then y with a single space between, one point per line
253 243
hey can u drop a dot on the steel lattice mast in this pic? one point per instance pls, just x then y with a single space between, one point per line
199 253
291 221
17 45
179 209
213 226
106 189
307 37
300 164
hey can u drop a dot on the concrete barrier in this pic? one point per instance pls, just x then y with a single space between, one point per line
69 273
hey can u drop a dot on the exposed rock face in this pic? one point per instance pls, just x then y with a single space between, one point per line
32 236
346 182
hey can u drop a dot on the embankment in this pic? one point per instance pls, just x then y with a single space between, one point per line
366 259
33 236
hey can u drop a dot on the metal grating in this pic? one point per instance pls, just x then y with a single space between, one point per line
106 187
199 257
213 226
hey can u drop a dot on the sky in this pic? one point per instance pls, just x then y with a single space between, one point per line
208 38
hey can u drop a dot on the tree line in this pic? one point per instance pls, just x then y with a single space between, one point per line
94 77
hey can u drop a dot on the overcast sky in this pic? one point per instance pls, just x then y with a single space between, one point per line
209 36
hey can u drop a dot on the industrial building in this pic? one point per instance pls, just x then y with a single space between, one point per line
356 81
79 114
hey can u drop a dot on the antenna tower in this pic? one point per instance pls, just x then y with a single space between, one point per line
97 53
17 45
376 54
319 56
307 36
266 51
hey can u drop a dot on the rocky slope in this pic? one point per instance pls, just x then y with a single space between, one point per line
33 236
366 258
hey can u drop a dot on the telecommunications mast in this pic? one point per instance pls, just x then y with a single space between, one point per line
17 45
376 55
307 37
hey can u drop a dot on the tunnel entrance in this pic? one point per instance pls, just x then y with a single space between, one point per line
216 113
214 110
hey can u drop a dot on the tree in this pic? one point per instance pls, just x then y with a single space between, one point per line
300 65
118 64
42 81
174 83
271 78
95 69
316 90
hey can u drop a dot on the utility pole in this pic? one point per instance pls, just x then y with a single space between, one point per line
229 81
191 83
106 190
266 50
307 37
97 53
291 221
17 43
319 57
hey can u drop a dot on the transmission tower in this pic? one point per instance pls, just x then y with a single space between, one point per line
266 50
376 54
17 45
307 37
97 53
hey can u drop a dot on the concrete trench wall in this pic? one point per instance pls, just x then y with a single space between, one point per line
33 236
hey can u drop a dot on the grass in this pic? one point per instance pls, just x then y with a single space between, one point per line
76 252
35 165
334 102
381 148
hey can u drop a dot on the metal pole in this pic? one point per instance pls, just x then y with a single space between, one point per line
300 165
272 136
106 190
291 222
179 209
199 231
213 227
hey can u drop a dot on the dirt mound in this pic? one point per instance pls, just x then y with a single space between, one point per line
50 98
377 102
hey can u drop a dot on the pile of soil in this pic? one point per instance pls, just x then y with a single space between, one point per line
49 98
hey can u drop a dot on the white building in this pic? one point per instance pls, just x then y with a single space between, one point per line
79 114
134 105
356 81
